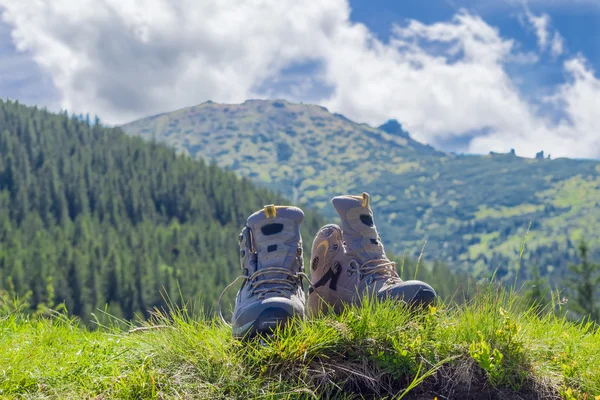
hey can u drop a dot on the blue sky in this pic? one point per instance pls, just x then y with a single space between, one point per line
463 75
579 25
577 21
20 77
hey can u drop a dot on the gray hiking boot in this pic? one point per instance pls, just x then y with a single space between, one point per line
271 260
350 263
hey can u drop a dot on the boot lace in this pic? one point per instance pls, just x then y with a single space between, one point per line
377 269
256 287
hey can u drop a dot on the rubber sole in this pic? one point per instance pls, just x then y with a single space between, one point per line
415 293
266 323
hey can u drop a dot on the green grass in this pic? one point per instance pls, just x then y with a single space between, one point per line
491 345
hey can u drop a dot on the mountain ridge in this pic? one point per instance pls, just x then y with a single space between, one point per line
472 210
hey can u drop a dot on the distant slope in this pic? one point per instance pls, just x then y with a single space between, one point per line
472 210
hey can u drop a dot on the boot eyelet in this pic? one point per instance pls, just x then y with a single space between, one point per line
369 280
335 268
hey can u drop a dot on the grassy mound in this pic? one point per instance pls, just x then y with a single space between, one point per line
489 348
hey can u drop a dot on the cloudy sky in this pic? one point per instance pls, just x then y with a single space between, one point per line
463 75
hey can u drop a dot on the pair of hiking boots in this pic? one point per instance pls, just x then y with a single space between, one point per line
347 264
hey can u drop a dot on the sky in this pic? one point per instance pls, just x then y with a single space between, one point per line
470 76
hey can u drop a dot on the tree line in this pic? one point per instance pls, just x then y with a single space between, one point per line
578 293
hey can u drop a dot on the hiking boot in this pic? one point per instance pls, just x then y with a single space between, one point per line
349 263
272 263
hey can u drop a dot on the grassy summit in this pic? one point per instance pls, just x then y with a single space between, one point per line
489 348
472 210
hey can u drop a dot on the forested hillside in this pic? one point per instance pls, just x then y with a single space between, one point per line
99 217
90 216
473 211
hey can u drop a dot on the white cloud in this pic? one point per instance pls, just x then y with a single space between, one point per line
541 25
419 86
20 77
463 88
124 60
576 135
557 46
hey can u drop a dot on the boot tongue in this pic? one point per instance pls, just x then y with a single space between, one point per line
276 237
358 227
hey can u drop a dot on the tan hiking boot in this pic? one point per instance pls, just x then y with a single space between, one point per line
272 264
350 263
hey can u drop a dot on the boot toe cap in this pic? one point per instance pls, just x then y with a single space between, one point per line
412 292
265 315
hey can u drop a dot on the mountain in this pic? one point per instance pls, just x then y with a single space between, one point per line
472 211
91 217
288 147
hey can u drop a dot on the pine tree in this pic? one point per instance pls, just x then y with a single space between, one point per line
583 285
537 290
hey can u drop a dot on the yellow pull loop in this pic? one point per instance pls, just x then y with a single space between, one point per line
270 211
366 199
